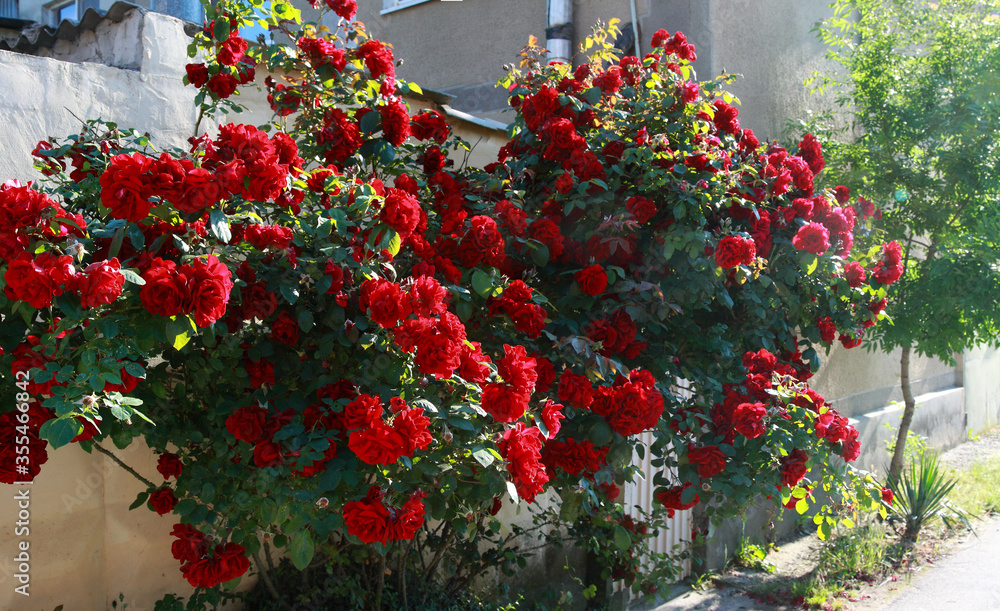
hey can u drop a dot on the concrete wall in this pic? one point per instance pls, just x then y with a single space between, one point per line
981 377
460 47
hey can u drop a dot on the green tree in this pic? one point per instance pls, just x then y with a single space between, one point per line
920 84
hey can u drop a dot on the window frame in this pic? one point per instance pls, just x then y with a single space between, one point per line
53 10
391 6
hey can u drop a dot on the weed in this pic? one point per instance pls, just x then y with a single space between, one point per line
978 487
752 556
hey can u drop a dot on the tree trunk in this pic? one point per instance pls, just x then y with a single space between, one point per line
909 406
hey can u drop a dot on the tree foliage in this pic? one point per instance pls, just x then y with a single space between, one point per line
921 87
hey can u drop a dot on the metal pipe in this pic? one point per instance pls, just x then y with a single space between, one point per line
635 29
559 31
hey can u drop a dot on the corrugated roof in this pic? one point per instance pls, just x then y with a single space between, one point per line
39 36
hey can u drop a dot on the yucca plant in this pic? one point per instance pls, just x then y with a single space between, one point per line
920 495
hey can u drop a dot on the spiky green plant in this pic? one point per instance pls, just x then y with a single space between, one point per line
920 496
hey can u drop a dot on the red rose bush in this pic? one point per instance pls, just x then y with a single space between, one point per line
334 339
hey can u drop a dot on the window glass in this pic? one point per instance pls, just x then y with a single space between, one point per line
66 11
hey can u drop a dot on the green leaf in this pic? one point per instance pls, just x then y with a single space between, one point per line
60 431
221 30
185 506
181 340
484 457
370 122
394 243
136 237
219 225
132 276
301 549
540 255
290 292
481 282
812 265
622 540
305 320
139 501
592 95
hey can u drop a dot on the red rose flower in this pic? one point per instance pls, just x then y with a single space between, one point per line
575 390
411 424
168 465
285 329
162 500
268 236
521 448
341 137
222 84
709 459
125 187
430 125
641 208
551 416
592 279
408 519
671 499
377 444
267 454
401 211
247 424
854 273
191 543
734 250
748 419
812 237
793 468
574 457
887 496
211 283
27 281
367 520
230 51
100 284
386 303
395 121
377 57
197 74
344 8
504 402
166 291
261 372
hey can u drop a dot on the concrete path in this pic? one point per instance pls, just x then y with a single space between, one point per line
968 579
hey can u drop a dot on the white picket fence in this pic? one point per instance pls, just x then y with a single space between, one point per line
639 495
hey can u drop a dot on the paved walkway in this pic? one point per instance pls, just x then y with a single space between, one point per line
967 580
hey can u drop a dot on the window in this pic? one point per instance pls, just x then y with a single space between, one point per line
57 11
389 6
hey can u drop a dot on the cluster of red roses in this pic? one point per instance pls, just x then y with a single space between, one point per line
747 410
227 561
15 433
372 522
231 66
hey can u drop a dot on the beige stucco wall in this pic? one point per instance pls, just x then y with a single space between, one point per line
86 548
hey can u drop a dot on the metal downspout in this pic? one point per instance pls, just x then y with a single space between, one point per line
559 31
